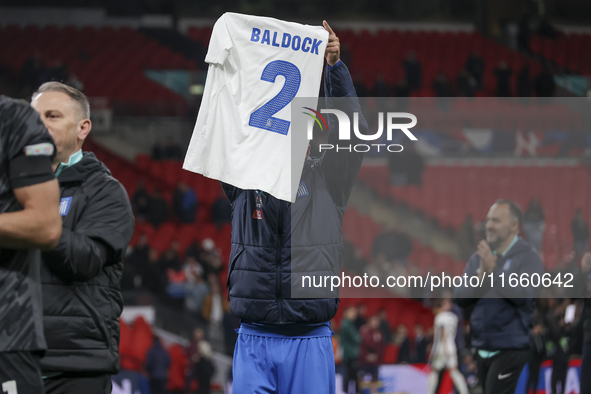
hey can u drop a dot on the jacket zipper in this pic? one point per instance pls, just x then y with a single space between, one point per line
278 260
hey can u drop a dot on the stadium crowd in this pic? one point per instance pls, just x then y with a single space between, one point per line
190 280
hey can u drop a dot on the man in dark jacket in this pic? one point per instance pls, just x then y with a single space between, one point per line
502 316
284 343
29 220
157 365
80 277
583 276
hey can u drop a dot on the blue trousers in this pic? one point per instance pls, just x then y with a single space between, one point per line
279 365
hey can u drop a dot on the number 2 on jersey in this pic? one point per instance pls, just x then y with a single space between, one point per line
263 118
9 387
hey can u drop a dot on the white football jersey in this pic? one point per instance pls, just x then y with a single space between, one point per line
445 340
243 135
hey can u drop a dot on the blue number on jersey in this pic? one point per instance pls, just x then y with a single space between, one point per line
263 118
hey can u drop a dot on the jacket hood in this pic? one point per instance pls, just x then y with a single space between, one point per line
80 171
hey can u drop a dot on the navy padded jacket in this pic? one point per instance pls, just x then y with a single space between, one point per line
305 235
502 316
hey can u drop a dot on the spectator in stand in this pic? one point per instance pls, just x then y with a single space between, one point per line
201 369
32 73
524 87
153 277
546 29
380 88
193 250
372 347
466 238
352 258
402 89
533 224
185 203
360 319
413 71
214 309
359 86
209 257
157 364
465 84
584 289
557 343
523 35
158 212
441 85
141 202
170 259
135 263
221 211
544 83
177 373
57 72
74 82
401 339
580 230
193 269
158 151
475 67
406 167
385 326
173 151
421 343
503 76
350 341
537 353
231 324
139 254
196 289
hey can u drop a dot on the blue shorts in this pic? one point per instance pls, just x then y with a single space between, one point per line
270 363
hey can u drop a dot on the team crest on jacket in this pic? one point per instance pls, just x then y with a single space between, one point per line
65 205
258 212
302 190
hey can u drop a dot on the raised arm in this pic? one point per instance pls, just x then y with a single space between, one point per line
340 167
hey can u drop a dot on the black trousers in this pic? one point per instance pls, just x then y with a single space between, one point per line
499 374
534 374
352 371
158 386
586 369
20 373
79 383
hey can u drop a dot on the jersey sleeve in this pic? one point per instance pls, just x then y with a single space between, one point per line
220 43
29 147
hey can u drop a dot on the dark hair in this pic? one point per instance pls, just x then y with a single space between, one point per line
437 302
74 94
514 210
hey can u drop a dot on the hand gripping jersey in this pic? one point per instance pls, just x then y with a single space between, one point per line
243 135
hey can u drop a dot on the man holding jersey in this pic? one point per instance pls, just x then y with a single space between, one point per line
284 343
